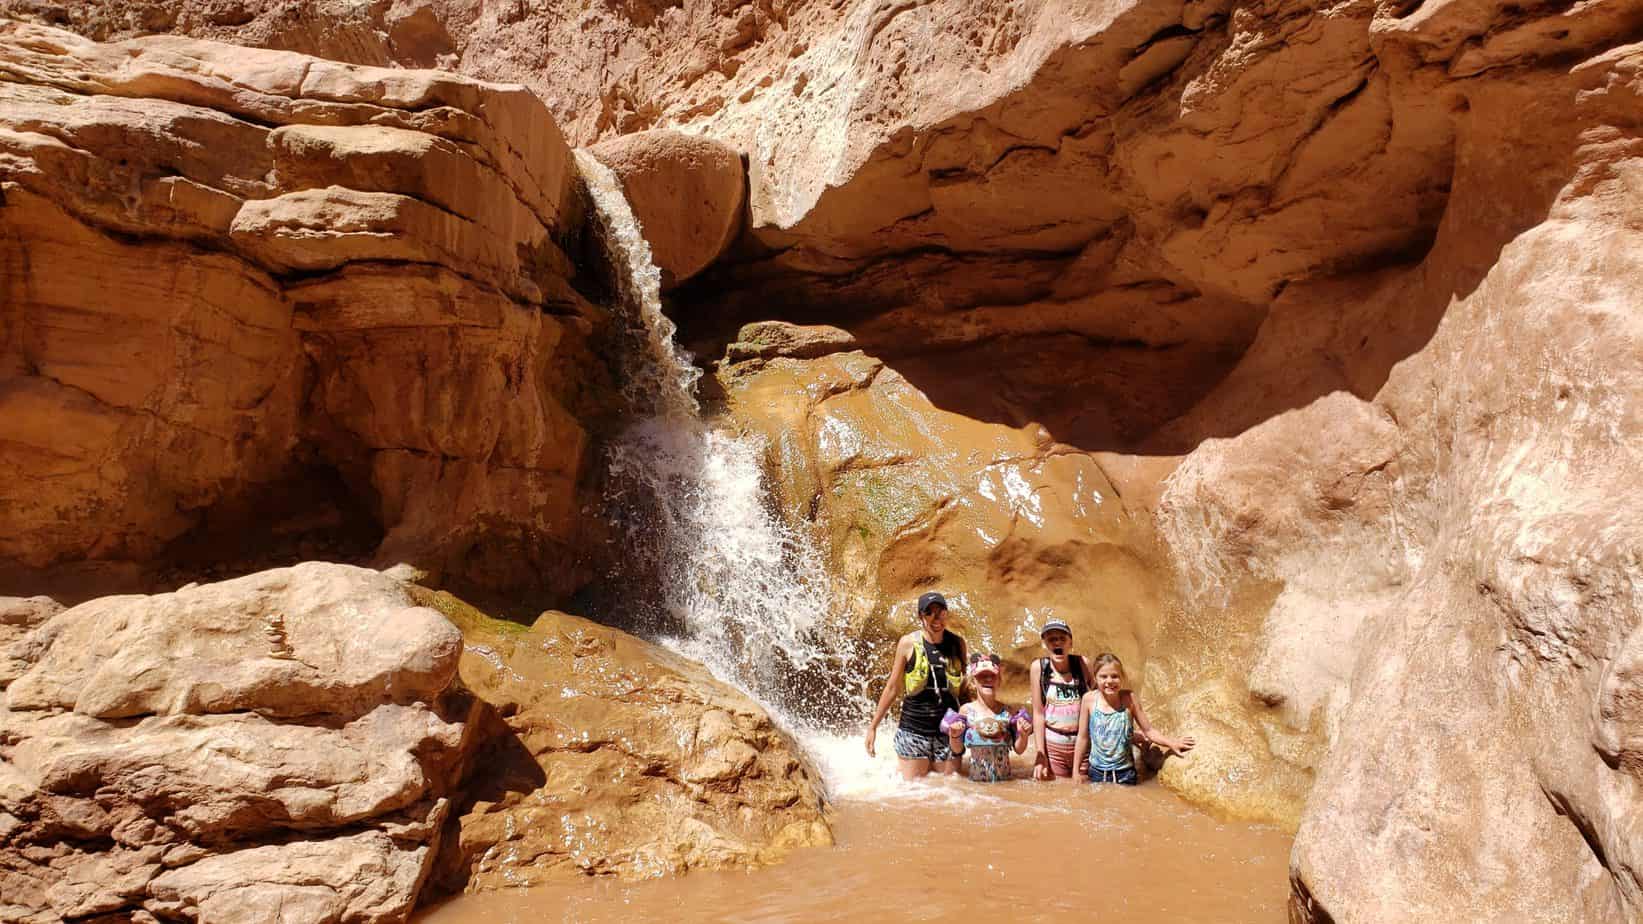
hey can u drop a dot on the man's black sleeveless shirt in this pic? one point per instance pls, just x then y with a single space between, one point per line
922 711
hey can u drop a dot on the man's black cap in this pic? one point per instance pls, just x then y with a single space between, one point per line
931 599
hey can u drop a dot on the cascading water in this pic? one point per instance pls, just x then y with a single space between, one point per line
735 587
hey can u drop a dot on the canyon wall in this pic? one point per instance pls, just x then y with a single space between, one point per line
1286 349
1361 543
260 304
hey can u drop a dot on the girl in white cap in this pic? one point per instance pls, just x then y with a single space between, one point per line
1058 681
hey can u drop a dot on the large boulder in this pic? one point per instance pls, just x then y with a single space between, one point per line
257 298
228 751
645 764
687 192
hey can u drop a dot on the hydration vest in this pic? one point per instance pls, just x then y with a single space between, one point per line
919 675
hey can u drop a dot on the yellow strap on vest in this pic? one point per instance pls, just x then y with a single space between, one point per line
917 678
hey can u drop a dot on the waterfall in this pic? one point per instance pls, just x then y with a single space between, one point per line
730 583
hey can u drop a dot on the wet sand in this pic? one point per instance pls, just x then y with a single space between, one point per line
948 849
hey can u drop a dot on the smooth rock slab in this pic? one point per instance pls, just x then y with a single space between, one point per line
688 193
314 638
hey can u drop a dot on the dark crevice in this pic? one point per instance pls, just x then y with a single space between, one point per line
312 511
1582 824
1162 35
1402 9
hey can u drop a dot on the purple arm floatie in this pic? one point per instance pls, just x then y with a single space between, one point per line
953 720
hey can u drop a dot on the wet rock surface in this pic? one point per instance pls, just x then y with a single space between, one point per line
235 751
1010 523
608 755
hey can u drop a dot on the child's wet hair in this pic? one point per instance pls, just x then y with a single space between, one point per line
1105 658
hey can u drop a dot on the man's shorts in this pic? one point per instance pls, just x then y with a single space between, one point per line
913 746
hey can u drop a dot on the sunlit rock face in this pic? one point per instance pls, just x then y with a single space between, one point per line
607 755
275 741
1518 608
687 192
1010 524
322 740
1104 194
1337 301
1015 529
236 274
1398 498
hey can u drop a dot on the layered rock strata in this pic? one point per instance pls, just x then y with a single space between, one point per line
267 748
1411 515
236 274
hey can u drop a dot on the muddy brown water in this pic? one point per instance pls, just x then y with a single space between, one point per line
950 849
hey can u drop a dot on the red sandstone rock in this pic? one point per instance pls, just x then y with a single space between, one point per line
249 750
648 763
688 193
1366 266
236 268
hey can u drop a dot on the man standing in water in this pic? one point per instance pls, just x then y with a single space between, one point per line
929 666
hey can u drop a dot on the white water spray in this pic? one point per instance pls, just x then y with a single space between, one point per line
742 592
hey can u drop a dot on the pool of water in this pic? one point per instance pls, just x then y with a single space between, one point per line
941 849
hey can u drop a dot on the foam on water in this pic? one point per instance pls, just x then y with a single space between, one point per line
852 775
735 587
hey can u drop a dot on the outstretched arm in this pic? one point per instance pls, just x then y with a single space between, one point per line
1178 745
897 668
1081 750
